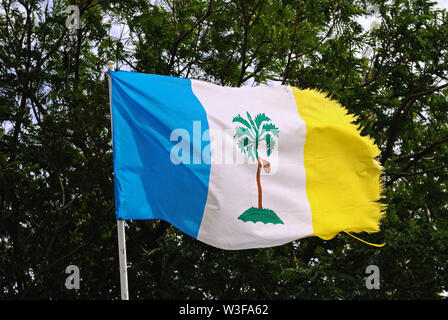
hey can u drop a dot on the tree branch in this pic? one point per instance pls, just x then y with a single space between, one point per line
185 34
417 156
293 43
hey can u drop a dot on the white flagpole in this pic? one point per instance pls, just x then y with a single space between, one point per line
122 257
120 223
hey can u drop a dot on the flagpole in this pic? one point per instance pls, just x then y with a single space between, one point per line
121 224
122 257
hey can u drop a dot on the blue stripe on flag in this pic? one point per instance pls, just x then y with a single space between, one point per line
146 109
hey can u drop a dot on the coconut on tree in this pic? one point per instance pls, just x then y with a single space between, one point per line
249 134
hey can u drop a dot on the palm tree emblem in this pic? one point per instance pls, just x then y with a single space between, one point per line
249 133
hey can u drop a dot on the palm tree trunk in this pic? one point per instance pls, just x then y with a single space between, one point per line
259 184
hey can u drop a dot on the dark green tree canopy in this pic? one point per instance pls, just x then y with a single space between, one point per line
56 171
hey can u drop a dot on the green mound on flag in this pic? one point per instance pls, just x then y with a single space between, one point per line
263 215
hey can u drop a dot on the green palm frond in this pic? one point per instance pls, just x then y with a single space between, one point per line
241 120
244 122
242 143
247 146
241 132
260 118
252 123
252 151
270 144
249 135
269 134
269 127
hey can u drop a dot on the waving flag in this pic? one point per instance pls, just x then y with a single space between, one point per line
240 168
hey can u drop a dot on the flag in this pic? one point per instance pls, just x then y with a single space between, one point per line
240 168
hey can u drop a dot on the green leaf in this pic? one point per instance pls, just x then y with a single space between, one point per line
241 120
260 118
269 127
252 124
242 145
241 132
270 144
252 150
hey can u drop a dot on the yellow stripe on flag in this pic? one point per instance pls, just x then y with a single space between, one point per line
342 175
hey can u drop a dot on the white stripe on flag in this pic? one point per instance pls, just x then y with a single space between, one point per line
233 186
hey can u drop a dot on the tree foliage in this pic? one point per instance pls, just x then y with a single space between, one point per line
56 174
